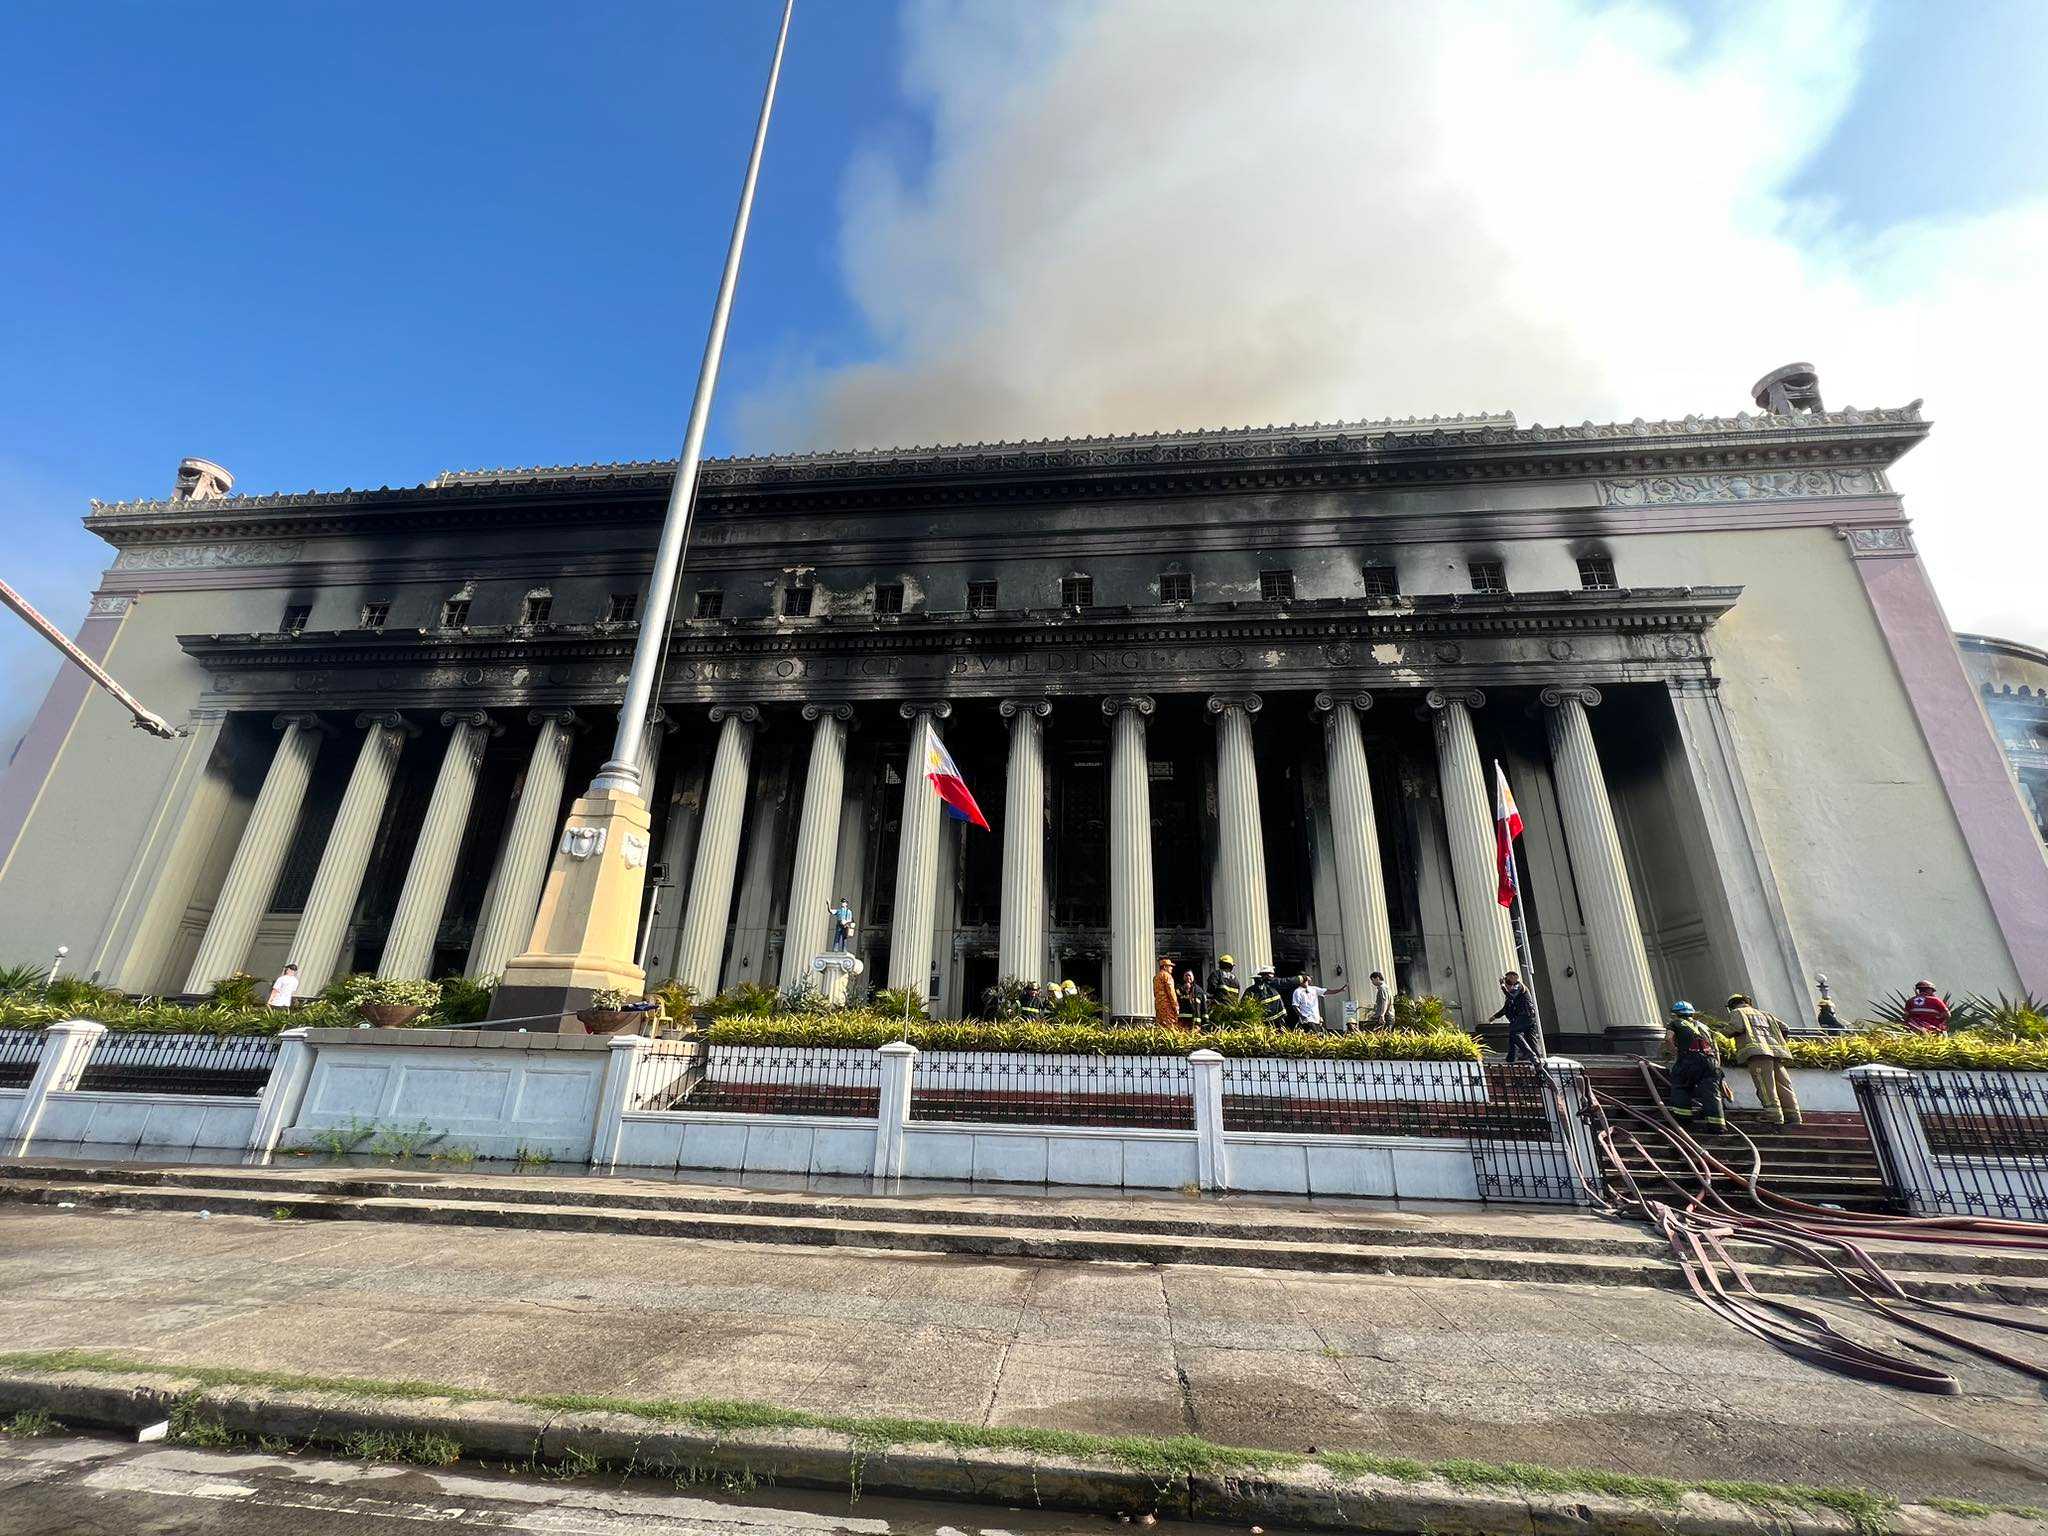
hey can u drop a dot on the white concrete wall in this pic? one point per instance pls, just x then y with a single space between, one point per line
1382 1167
749 1143
494 1100
147 1120
1009 1154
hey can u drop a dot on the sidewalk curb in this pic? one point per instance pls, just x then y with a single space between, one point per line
1308 1497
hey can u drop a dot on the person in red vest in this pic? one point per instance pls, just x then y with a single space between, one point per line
1925 1011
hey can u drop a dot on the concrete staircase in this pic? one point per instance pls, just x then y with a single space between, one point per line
1527 1245
1826 1160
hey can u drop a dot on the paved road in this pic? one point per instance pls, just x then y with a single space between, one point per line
1626 1379
85 1487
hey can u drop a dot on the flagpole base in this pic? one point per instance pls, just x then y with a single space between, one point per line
587 930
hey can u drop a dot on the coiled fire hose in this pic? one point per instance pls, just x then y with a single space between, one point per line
1700 1222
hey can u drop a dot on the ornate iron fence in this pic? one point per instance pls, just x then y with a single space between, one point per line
1961 1143
224 1066
758 1079
1522 1145
20 1051
1015 1088
1324 1096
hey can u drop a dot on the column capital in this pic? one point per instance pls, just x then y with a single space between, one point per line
473 717
388 719
749 713
1443 698
1116 704
1584 693
1013 709
1327 703
843 713
1250 703
938 709
305 720
567 719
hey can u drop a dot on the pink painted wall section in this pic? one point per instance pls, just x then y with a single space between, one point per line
1980 787
23 778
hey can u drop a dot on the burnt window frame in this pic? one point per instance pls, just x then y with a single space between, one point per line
536 608
1496 585
374 614
710 603
1602 574
622 608
897 595
1378 591
984 596
455 613
1077 591
1176 586
1276 584
296 617
799 596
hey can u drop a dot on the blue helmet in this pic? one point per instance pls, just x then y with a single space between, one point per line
1682 1009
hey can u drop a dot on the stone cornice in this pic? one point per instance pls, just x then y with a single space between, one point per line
1340 621
1837 452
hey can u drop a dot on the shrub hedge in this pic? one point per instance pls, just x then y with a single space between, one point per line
1963 1051
860 1028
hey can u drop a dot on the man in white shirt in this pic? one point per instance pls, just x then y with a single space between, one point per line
1308 1002
285 988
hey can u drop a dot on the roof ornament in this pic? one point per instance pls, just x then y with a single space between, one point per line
1787 391
201 480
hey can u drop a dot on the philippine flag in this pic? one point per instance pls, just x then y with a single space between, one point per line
952 790
1507 826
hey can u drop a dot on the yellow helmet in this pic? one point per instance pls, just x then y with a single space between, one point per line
1226 960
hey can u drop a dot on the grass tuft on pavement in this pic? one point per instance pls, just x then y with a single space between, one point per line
1180 1456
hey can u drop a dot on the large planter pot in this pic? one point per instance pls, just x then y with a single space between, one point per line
1635 1039
612 1021
389 1015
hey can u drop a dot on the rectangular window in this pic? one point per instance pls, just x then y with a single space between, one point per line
1489 576
538 606
710 603
1077 592
1382 582
455 613
981 597
295 617
888 597
796 601
1276 586
1176 587
1596 573
625 607
375 614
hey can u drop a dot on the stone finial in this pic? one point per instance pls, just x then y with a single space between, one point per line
201 480
1788 390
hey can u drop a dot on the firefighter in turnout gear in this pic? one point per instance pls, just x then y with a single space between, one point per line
1696 1082
1763 1046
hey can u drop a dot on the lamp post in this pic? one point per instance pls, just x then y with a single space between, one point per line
585 935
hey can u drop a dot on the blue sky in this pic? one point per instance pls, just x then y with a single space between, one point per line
332 244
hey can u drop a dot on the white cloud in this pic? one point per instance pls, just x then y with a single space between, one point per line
1165 213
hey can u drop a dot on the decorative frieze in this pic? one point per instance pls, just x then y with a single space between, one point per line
1888 540
206 557
1765 485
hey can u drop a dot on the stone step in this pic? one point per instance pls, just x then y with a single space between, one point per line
1417 1258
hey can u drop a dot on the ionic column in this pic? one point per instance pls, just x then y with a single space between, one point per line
1131 921
1468 826
1361 884
529 843
817 842
331 904
1021 950
1621 969
416 924
702 946
658 727
266 840
917 859
1244 928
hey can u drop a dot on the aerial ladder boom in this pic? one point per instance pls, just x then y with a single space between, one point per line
145 718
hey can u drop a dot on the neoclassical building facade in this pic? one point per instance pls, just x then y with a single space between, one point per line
1216 691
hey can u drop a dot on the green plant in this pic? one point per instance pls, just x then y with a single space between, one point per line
465 999
192 1425
28 1424
342 1140
858 1028
403 1143
748 999
610 999
418 1447
1957 1051
525 1157
575 1463
236 991
804 998
456 1157
2023 1018
75 993
1230 1013
399 993
899 1003
22 978
281 1213
1962 1014
1425 1014
678 999
1076 1009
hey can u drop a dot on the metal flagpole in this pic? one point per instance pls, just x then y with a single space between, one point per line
1521 924
621 770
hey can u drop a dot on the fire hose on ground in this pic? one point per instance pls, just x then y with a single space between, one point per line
1701 1222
